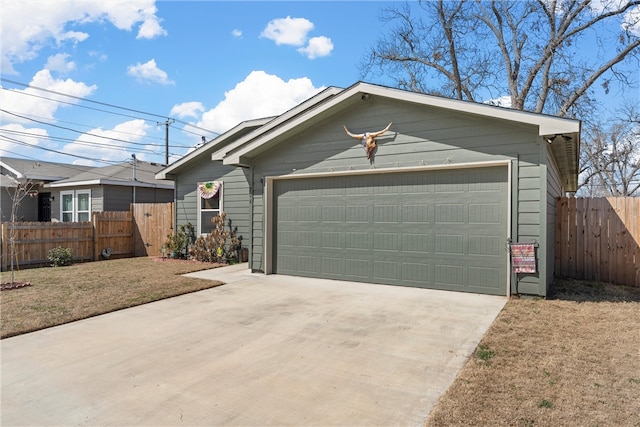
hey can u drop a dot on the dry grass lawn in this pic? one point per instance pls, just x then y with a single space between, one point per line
571 360
60 295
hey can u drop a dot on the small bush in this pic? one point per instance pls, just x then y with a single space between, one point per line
60 256
221 245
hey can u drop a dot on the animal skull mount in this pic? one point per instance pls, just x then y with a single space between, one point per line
367 139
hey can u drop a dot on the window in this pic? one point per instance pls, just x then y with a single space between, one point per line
75 206
209 204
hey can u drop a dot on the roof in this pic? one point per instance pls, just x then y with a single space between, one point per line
562 134
296 111
38 170
143 175
219 142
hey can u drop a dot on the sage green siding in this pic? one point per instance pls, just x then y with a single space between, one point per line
420 136
235 192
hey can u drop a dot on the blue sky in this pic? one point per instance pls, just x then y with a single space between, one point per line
208 63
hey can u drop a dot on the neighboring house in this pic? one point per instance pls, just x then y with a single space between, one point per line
68 192
107 188
449 186
38 207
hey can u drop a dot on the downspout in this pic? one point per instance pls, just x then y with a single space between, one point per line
251 233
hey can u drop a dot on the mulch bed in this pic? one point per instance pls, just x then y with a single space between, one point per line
15 285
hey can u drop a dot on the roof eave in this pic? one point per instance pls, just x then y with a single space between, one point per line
168 186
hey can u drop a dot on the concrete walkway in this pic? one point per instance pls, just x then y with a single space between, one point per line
260 350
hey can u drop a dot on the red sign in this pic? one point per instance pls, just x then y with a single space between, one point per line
523 257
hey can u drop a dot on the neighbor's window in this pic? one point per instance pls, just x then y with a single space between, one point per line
75 206
209 204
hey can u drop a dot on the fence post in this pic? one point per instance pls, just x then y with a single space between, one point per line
4 248
94 234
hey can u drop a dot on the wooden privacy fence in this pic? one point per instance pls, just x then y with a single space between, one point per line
598 239
138 232
152 222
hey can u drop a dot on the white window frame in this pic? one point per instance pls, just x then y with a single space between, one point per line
220 195
76 209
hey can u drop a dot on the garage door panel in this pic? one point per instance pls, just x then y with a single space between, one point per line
450 275
485 245
450 213
438 229
357 268
419 243
484 213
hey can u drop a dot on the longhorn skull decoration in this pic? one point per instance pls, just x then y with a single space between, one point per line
367 139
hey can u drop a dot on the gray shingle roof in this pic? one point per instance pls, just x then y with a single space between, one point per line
38 170
120 174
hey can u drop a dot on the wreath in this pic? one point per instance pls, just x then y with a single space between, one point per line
209 189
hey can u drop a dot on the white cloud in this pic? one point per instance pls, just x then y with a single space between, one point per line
60 63
28 25
149 73
502 101
35 137
44 104
236 33
151 28
631 21
258 95
317 47
295 32
187 109
107 147
289 31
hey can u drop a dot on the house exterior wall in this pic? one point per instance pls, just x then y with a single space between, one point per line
554 190
235 196
419 136
119 198
96 199
27 209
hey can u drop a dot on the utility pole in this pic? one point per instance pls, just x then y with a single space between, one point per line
166 124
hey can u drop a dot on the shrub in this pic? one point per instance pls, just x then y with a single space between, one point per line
60 256
214 247
179 242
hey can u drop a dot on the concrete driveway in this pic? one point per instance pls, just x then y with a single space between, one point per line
261 350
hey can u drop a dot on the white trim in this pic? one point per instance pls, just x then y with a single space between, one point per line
268 224
109 182
547 125
218 140
74 201
12 170
268 199
450 166
509 218
220 195
77 207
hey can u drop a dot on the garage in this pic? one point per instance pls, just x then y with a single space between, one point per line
438 229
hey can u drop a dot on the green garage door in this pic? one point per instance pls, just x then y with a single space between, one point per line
437 229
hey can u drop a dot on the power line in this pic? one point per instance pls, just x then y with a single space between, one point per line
74 130
100 110
55 151
104 104
74 141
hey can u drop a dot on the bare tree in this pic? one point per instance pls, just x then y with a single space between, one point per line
530 50
610 157
23 188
